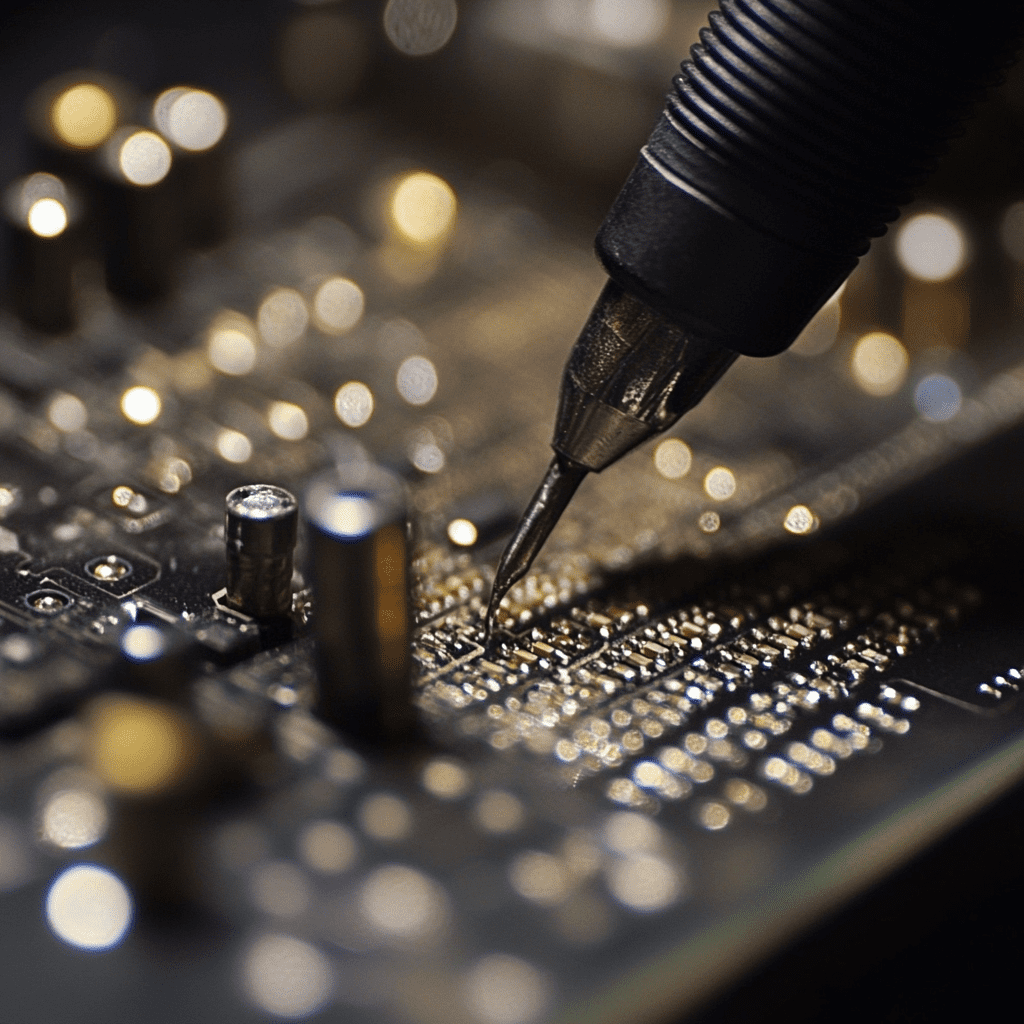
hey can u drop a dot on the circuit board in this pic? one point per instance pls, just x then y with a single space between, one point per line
733 690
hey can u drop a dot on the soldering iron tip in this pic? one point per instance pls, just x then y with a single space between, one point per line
539 519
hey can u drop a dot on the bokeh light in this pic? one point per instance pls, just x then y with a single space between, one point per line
67 412
931 247
462 533
89 907
338 305
144 158
422 209
84 115
47 218
879 363
233 446
282 317
502 989
720 483
287 977
141 405
420 27
937 397
353 404
673 458
288 421
416 380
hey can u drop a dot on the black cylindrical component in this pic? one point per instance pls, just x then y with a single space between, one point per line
260 528
157 660
789 141
359 569
142 227
43 227
193 121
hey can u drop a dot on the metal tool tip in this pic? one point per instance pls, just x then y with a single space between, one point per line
545 509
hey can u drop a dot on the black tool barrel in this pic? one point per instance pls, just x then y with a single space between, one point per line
790 139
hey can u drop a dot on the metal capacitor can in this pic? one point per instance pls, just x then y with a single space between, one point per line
141 202
260 528
43 222
359 569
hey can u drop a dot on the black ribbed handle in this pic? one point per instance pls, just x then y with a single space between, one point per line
790 140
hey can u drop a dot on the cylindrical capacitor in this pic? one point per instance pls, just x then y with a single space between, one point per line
194 121
362 621
158 660
142 230
43 220
260 527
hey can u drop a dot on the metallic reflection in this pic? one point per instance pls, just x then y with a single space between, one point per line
89 907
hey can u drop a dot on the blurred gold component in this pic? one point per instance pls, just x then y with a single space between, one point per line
83 116
138 746
422 209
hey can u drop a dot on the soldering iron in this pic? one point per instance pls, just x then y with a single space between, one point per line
789 140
